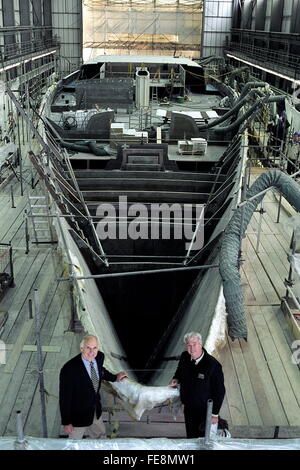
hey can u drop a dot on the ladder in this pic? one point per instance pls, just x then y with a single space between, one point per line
154 97
60 200
145 118
40 218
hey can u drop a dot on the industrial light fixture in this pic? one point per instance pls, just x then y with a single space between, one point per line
11 66
3 69
43 55
265 70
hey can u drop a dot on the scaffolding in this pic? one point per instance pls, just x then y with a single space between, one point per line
290 303
167 27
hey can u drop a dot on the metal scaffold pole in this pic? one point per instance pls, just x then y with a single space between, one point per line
135 273
20 443
208 422
243 194
28 113
261 213
20 154
289 282
40 361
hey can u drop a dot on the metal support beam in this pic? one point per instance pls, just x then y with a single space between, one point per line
40 361
135 273
20 443
208 422
261 213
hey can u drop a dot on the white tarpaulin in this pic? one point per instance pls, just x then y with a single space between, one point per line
218 443
147 26
141 397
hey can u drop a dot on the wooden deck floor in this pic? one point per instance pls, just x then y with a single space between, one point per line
18 376
263 386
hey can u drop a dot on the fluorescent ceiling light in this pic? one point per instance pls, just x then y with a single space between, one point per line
3 69
8 67
266 70
43 55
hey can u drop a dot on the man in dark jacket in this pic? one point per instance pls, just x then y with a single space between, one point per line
200 377
79 390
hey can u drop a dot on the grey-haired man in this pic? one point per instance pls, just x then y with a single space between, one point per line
200 377
79 391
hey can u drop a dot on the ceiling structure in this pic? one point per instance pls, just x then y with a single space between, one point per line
167 27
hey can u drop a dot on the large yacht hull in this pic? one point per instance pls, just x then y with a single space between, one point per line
145 285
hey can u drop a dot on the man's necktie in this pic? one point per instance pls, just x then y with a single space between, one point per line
194 362
94 377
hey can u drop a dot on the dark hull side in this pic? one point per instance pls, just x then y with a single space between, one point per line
146 309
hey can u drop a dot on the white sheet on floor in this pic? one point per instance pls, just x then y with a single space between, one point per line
141 397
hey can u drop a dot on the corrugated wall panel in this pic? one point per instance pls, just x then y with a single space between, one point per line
37 19
47 16
260 14
287 16
247 15
67 26
24 13
37 12
8 13
236 14
295 20
276 15
9 20
269 15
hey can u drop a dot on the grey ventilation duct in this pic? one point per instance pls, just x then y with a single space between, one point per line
243 117
236 107
207 60
249 85
233 110
230 248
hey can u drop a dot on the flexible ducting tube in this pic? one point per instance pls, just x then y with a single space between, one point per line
230 248
88 146
236 107
249 112
207 60
250 85
233 110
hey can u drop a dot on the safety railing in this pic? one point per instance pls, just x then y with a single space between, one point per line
269 57
6 268
290 303
19 48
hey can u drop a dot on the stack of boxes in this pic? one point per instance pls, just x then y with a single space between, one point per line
195 145
119 134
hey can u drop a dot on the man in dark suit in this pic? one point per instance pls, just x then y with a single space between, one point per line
79 390
200 377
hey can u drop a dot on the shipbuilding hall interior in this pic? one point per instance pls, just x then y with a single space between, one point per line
149 186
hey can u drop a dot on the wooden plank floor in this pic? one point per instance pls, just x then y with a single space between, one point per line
262 384
36 270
